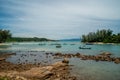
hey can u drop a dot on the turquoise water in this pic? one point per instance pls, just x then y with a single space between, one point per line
84 70
67 47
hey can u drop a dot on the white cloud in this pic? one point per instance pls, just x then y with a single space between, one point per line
60 18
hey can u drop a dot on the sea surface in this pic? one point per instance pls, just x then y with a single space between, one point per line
83 69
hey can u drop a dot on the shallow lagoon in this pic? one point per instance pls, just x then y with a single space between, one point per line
84 70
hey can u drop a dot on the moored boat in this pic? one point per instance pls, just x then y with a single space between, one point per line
58 46
84 47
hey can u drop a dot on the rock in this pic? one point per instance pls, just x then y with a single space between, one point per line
106 54
58 79
78 55
65 60
117 61
59 64
113 58
47 53
57 54
67 55
97 58
20 78
39 73
1 59
46 75
84 57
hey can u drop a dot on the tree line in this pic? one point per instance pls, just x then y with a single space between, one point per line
103 35
4 35
24 39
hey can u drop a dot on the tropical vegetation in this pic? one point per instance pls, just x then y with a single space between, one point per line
24 39
4 35
103 35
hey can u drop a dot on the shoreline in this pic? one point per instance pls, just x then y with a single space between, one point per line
53 71
1 44
104 43
98 43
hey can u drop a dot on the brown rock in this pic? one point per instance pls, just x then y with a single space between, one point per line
65 61
78 55
106 54
117 61
1 59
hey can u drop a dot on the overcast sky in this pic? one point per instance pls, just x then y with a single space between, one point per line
58 19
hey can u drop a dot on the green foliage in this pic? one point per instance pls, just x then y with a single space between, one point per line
22 39
4 35
105 36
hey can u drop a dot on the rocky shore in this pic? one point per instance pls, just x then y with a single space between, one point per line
56 71
59 70
6 66
105 56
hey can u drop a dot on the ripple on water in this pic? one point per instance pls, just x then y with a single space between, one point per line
92 70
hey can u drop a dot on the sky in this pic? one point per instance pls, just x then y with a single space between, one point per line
58 19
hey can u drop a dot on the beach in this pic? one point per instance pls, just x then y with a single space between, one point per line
84 64
59 70
56 71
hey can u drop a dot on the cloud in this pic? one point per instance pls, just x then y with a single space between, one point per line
58 18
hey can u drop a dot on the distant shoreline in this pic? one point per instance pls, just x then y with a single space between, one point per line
98 43
88 43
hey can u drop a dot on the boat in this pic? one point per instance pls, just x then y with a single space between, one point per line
41 44
84 47
58 46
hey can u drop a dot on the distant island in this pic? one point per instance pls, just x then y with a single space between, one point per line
105 36
6 36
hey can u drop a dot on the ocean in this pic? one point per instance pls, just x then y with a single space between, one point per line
83 69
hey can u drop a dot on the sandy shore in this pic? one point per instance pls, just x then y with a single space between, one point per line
5 44
100 43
